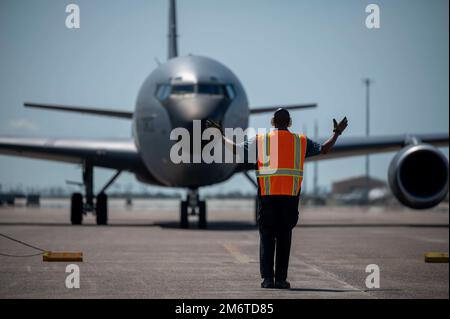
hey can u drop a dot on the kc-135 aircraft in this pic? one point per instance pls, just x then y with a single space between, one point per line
188 88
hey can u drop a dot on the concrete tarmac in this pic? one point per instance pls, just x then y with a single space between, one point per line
142 253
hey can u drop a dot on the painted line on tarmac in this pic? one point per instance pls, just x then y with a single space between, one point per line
331 276
236 254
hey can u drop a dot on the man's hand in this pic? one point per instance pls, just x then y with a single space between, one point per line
341 126
338 129
214 124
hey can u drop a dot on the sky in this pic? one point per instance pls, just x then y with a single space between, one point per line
284 52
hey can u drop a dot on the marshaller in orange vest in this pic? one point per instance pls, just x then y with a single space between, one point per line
279 170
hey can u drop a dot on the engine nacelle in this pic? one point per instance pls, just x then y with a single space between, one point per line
418 176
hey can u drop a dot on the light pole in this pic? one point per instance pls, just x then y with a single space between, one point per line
316 167
305 131
367 83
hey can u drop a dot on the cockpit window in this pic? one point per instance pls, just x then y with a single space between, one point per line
163 91
183 89
230 91
211 89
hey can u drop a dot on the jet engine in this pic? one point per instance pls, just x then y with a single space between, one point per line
418 176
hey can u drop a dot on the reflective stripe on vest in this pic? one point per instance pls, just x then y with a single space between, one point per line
280 173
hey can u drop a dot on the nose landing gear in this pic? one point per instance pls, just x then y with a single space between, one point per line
78 209
193 206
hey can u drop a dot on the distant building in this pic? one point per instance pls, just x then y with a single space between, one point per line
355 185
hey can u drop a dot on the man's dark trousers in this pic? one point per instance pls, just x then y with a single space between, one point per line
277 216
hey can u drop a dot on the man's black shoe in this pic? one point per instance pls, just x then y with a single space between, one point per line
282 284
267 283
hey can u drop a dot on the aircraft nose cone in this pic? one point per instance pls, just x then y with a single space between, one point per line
183 111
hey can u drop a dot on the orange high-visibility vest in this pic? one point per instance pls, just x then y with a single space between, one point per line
281 155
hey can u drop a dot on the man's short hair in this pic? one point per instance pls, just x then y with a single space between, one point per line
281 118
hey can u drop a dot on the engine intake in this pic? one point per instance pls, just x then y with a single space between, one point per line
418 176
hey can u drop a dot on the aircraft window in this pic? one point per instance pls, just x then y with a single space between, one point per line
212 89
163 91
183 89
230 91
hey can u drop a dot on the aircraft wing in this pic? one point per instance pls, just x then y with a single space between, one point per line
271 109
122 154
115 154
129 115
354 146
78 109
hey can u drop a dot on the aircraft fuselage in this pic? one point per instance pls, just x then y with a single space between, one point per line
175 94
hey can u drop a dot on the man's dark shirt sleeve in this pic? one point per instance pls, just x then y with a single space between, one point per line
312 148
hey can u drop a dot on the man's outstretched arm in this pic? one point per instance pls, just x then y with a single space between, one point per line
338 129
228 143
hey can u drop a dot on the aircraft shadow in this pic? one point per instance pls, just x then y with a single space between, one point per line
368 225
221 225
213 225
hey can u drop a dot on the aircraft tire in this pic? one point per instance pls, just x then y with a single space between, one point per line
101 209
184 223
76 209
202 224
